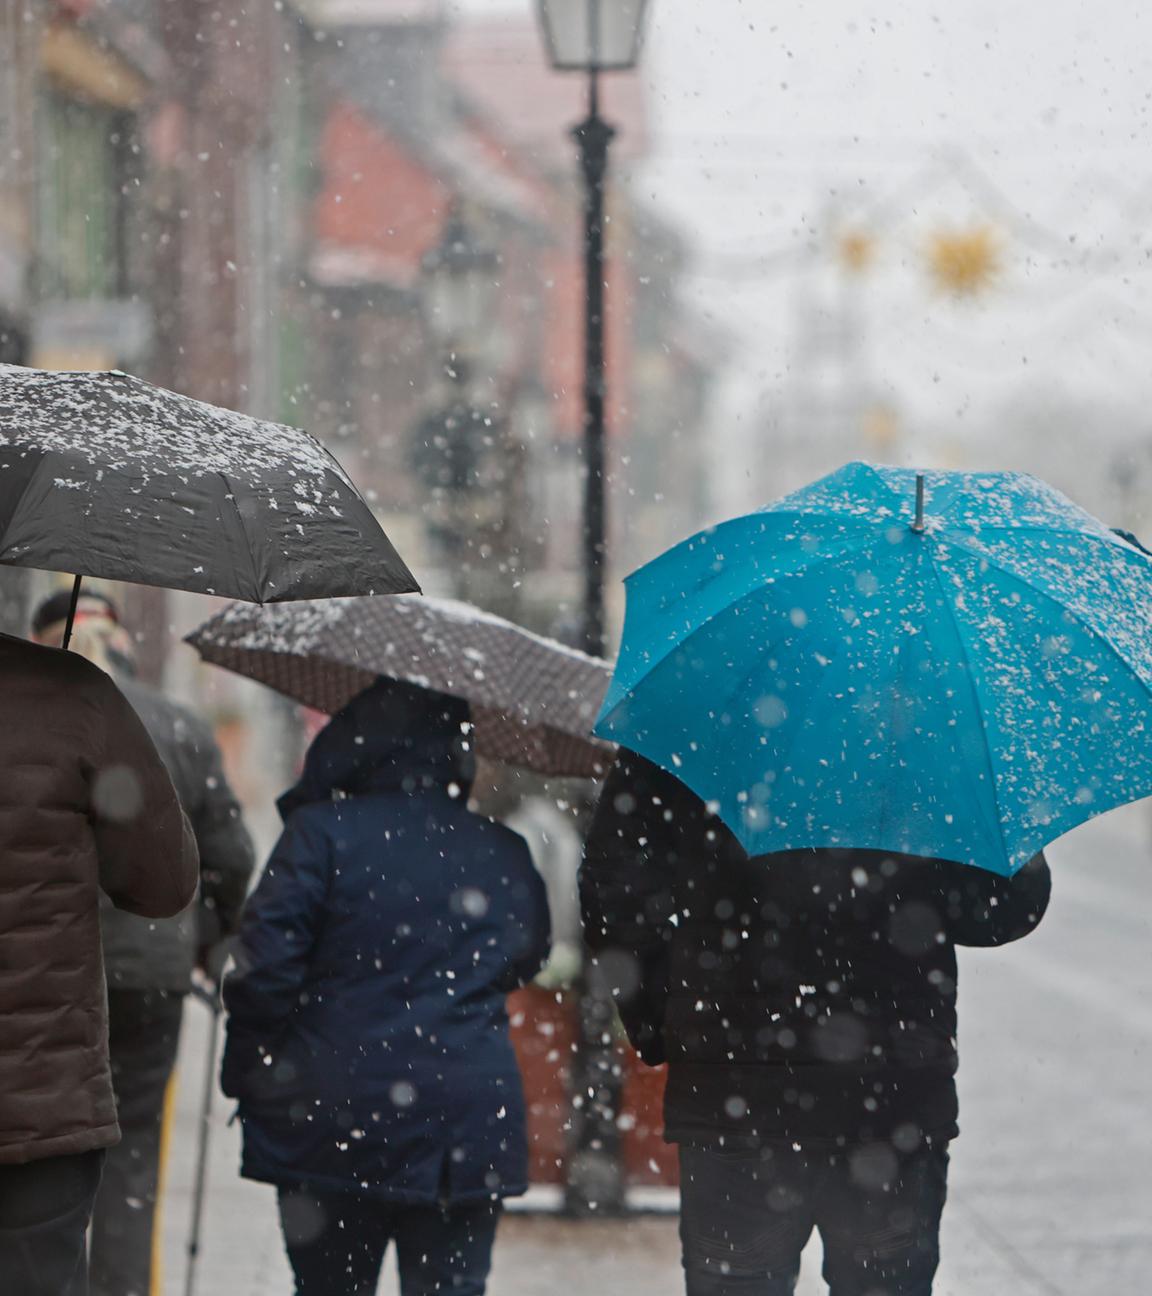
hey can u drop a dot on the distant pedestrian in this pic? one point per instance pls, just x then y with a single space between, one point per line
85 805
368 1043
149 964
805 1003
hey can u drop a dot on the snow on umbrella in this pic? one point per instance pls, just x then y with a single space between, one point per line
533 699
958 667
102 474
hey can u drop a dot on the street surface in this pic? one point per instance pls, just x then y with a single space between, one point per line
1050 1188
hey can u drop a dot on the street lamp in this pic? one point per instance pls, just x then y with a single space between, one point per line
459 286
593 36
460 282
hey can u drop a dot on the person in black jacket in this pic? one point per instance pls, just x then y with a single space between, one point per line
148 963
805 1003
368 1043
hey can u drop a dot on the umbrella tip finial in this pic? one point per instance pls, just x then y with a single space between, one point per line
918 521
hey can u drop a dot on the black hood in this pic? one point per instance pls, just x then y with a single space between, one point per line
393 736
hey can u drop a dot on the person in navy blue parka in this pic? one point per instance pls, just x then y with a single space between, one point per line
368 1043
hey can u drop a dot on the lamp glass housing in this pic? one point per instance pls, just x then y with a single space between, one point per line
460 276
592 35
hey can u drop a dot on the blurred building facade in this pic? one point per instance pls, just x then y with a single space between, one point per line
258 205
244 206
141 228
17 128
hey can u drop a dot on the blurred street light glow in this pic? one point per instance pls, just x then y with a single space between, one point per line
857 251
460 276
964 262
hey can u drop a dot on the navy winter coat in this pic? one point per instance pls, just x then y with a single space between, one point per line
368 1041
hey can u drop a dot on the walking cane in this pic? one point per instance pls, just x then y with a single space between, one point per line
210 998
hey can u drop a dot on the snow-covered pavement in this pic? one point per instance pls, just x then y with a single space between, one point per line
1050 1190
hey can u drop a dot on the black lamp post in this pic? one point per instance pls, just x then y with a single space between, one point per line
593 36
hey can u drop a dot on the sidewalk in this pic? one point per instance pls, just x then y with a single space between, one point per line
1049 1192
242 1253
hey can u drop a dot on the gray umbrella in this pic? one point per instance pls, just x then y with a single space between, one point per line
533 700
102 474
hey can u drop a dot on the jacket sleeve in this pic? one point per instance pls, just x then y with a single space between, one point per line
986 909
643 820
226 854
529 934
278 932
147 854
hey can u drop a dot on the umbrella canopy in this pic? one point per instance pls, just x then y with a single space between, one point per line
838 671
533 700
104 475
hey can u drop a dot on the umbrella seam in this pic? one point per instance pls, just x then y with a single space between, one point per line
1113 541
898 679
1089 629
721 528
887 485
230 495
808 511
870 537
968 662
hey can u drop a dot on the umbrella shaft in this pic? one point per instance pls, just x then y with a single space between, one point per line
72 610
202 1153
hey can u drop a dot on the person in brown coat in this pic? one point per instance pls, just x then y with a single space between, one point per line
85 805
149 964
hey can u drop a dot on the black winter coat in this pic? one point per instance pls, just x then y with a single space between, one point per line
145 954
368 1041
802 996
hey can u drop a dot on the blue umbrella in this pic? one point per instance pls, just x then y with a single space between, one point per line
966 676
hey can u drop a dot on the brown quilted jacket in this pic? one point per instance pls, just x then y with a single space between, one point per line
85 804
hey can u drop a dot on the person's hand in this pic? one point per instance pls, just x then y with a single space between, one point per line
206 988
212 959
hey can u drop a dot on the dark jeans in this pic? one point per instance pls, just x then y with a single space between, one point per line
336 1244
143 1034
44 1210
745 1217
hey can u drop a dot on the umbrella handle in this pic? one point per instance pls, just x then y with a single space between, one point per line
72 611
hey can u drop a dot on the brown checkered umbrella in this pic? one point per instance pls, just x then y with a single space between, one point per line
533 699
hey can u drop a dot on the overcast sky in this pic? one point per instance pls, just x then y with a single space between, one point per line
775 121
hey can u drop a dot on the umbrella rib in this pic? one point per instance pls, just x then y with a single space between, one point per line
1051 598
952 530
968 662
807 510
720 530
887 485
676 644
230 495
